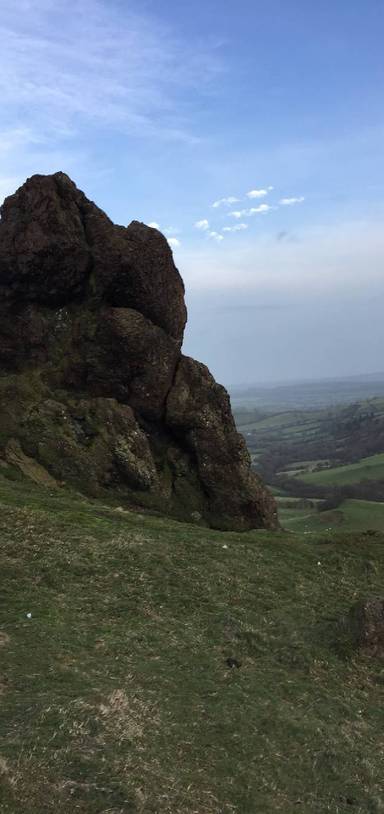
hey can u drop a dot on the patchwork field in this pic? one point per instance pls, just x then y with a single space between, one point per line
313 455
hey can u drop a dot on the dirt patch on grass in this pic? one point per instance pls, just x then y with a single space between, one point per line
6 774
123 715
3 685
4 638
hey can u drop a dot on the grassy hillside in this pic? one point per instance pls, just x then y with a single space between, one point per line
295 442
371 468
116 694
350 515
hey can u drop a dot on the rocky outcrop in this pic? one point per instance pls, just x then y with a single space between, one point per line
199 412
93 385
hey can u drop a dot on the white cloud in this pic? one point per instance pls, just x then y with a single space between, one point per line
225 202
260 209
258 193
16 137
255 210
216 236
291 201
154 225
202 224
239 227
174 242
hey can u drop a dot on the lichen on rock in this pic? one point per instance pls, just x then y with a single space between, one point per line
93 384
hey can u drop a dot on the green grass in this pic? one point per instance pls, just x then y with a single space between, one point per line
364 514
371 468
281 420
116 697
350 516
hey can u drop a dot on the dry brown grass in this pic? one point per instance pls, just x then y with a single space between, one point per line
4 638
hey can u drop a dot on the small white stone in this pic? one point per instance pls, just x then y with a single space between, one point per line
29 616
225 546
319 563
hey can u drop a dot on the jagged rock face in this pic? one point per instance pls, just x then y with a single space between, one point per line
93 385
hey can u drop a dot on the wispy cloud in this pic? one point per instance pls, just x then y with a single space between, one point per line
238 227
103 67
225 202
105 62
203 225
324 259
258 193
174 242
216 236
291 201
169 231
262 209
11 137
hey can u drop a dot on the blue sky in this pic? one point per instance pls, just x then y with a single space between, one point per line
159 110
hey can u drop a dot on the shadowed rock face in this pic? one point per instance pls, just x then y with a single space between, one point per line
93 385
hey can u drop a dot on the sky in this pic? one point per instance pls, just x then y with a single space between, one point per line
251 133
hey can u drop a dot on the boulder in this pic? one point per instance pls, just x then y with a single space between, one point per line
93 385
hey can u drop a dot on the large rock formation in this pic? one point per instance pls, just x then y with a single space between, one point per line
93 386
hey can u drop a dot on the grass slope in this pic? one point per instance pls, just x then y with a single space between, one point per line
371 468
350 516
116 697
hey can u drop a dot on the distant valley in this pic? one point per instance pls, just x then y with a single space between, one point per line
308 394
320 447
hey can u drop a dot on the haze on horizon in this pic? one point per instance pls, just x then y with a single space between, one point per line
251 134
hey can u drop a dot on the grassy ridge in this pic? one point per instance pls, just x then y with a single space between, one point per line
116 695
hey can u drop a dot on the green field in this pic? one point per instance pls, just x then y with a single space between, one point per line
371 468
116 697
351 515
286 423
291 440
